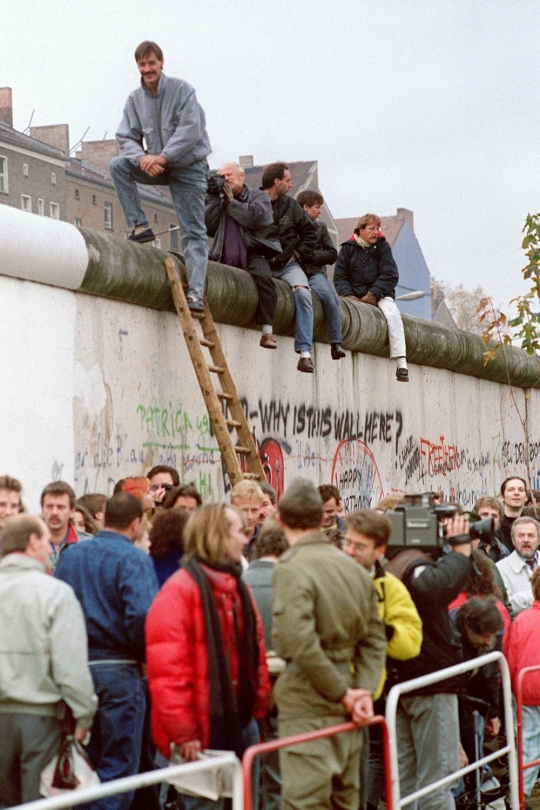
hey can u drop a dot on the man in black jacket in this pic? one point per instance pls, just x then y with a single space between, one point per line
298 236
366 271
242 224
427 723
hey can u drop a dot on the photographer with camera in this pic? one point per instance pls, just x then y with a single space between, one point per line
426 755
241 222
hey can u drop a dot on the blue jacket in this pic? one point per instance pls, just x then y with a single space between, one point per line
360 270
115 584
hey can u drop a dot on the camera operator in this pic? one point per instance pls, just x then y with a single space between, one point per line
242 224
425 753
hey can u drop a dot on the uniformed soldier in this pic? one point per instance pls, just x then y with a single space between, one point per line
328 630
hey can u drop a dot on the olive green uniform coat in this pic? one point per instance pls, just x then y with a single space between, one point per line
328 629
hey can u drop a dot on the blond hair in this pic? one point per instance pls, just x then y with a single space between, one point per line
247 489
207 533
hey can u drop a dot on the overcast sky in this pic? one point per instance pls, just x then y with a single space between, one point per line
430 105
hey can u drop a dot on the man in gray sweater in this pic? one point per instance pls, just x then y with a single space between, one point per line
165 113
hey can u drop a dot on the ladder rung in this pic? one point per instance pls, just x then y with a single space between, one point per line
199 315
216 369
207 343
234 423
225 397
245 451
251 475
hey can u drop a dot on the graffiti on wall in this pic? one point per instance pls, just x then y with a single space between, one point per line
365 453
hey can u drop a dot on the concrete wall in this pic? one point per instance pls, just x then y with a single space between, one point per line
95 389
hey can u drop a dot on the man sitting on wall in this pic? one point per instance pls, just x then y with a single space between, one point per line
314 265
242 224
366 271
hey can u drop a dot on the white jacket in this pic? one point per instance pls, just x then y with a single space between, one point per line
516 575
43 643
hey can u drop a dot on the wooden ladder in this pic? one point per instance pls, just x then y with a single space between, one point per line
245 446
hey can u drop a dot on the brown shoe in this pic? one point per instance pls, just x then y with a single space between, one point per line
306 364
268 341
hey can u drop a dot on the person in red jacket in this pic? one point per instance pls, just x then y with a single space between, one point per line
524 651
205 651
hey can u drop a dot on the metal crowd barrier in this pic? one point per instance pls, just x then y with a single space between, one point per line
522 766
330 731
441 675
75 797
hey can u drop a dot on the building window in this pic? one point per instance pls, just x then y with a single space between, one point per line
26 202
55 211
94 199
41 208
157 242
77 222
107 216
174 238
77 194
25 169
3 175
53 178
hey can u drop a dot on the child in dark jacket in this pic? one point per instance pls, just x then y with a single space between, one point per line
366 271
314 265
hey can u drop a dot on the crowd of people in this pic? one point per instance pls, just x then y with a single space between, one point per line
171 627
264 231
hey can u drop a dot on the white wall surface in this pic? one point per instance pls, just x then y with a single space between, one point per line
95 390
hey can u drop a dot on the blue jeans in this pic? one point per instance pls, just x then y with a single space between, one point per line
115 741
188 191
295 277
251 737
322 287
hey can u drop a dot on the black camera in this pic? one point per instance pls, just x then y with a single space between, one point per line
215 185
418 523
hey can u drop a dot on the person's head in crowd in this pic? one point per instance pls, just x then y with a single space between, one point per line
26 534
331 499
487 507
533 498
142 540
525 537
124 514
57 505
271 542
388 503
247 496
300 510
94 502
480 581
269 504
10 498
162 479
535 584
234 176
367 228
276 179
312 202
139 486
167 532
186 496
513 495
367 532
215 534
479 621
82 521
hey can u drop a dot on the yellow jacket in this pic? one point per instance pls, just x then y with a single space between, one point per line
401 620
